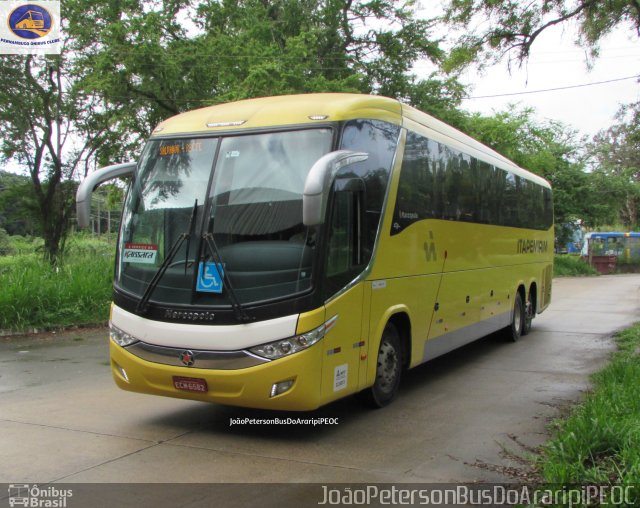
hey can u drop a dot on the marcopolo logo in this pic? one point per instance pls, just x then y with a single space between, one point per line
30 21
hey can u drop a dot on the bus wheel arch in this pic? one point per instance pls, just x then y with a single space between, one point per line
392 358
403 324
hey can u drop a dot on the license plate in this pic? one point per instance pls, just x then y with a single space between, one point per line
190 384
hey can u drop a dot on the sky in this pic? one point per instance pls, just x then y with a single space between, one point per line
557 62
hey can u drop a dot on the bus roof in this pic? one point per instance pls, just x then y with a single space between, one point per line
283 110
330 107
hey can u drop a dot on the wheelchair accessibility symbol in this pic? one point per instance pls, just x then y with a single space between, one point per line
210 277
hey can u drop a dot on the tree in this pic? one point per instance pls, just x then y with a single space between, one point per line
148 63
511 27
616 154
48 129
440 98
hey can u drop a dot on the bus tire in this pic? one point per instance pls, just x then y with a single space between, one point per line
388 370
513 332
529 312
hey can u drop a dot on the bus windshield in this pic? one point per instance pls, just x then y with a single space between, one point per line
209 209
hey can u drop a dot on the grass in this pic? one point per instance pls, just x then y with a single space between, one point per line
78 292
599 442
566 265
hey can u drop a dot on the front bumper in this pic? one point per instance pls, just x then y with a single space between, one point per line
247 387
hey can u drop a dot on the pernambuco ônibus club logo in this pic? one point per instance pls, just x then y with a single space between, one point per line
30 21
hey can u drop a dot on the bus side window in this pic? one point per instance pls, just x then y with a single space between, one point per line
379 140
344 257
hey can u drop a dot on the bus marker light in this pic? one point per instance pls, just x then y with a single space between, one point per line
280 387
318 117
122 372
226 124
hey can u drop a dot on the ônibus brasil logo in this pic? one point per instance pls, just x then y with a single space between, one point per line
30 21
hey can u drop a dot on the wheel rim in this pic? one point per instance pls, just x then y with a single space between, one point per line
517 318
388 367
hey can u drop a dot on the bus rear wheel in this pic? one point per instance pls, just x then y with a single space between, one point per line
513 332
388 370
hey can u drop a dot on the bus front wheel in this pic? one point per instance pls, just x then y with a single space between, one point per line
388 370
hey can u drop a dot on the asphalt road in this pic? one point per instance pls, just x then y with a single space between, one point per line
465 417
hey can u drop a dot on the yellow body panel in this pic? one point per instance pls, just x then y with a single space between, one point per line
310 320
342 346
469 271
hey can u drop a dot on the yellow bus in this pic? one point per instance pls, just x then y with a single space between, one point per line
285 252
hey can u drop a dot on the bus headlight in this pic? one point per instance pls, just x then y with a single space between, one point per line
286 347
119 337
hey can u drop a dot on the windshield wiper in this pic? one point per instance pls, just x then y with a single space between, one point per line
142 304
241 313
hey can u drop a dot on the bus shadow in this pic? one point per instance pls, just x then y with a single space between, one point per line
447 364
334 418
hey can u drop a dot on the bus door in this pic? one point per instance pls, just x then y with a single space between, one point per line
343 344
344 341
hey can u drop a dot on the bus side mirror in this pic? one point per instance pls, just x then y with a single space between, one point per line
319 180
88 185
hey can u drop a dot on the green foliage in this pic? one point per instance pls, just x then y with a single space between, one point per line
440 98
38 295
568 265
5 245
598 443
510 28
240 49
16 245
26 244
616 160
17 205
